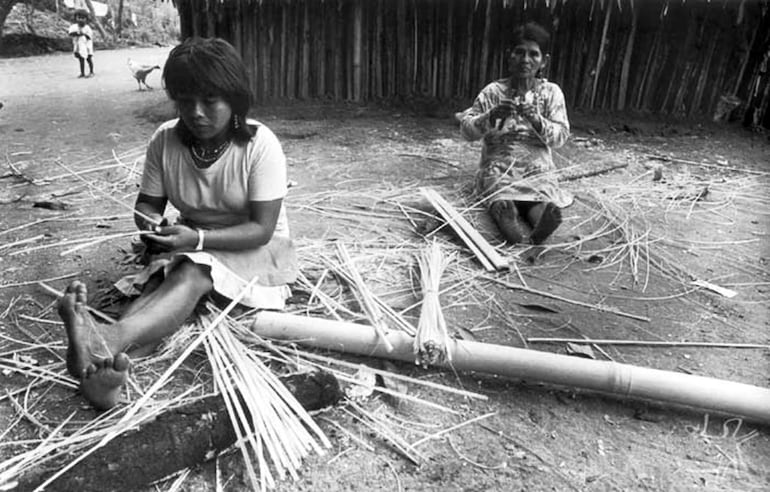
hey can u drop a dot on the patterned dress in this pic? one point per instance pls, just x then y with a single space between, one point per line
516 159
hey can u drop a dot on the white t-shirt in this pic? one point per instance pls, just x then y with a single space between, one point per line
83 43
219 195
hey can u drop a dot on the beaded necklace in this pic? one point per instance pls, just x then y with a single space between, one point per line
208 157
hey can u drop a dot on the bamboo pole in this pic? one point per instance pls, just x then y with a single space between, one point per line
485 42
358 20
304 74
600 58
376 52
448 74
623 380
627 60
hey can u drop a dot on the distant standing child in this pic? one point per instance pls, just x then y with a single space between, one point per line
83 42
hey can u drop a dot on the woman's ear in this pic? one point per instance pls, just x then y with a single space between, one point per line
543 72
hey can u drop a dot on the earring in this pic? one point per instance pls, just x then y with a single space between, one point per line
236 123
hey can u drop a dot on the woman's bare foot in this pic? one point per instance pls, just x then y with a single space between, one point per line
85 341
103 381
548 220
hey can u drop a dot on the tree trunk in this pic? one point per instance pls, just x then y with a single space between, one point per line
176 440
119 27
95 19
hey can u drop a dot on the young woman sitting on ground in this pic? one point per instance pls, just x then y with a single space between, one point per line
227 177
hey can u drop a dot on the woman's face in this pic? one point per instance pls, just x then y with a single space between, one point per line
206 116
526 60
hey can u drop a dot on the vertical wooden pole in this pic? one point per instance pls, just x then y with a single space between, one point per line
622 91
485 43
284 42
338 53
448 72
469 85
600 59
402 49
377 58
319 49
357 43
304 70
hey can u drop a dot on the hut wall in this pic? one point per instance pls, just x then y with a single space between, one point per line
664 56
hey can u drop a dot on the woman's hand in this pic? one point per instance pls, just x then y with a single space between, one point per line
150 222
529 112
173 238
500 113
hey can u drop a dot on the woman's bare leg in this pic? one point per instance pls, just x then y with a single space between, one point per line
95 353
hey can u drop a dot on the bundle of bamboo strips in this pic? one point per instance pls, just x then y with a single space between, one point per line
390 317
365 297
488 256
270 423
431 343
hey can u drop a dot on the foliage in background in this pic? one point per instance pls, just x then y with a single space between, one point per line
34 27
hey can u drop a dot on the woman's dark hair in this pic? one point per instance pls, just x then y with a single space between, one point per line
532 31
210 67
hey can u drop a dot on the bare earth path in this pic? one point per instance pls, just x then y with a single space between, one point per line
347 158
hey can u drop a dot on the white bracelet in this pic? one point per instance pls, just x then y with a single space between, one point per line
199 246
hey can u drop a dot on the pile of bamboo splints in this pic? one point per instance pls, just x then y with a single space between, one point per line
275 434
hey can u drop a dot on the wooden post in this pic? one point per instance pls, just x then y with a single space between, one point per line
600 59
622 91
304 71
358 14
485 43
448 73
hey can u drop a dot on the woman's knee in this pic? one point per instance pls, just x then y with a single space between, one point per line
193 274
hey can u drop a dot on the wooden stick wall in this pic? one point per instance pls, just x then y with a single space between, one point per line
666 56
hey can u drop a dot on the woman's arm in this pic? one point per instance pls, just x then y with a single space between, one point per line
489 110
257 231
149 206
554 122
475 120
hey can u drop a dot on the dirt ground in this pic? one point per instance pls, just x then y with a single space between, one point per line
355 170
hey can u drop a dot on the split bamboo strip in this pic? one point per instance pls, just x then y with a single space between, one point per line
87 243
487 255
364 296
59 293
453 428
650 343
382 428
401 377
107 195
624 380
387 311
31 282
22 241
570 301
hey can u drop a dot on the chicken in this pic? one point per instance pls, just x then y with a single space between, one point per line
141 72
